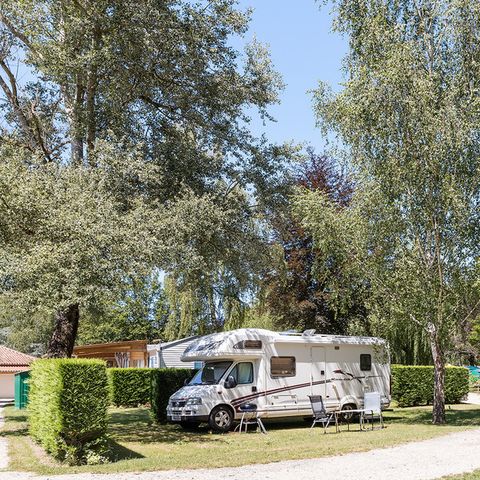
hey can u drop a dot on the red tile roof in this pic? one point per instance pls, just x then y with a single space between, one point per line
12 358
13 369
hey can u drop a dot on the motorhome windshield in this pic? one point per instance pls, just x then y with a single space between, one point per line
210 374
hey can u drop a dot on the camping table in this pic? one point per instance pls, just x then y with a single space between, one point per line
338 413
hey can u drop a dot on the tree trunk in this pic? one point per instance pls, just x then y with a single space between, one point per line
64 334
439 378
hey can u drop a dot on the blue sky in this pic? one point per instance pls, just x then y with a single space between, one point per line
304 50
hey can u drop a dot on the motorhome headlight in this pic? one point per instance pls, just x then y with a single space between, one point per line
194 401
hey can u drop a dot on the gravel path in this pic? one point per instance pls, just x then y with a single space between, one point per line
3 444
429 459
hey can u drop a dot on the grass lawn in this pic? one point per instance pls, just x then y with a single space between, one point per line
138 444
466 476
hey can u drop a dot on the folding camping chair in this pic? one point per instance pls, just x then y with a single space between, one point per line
320 414
372 408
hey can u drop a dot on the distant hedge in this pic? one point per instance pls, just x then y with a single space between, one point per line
130 387
67 408
413 385
165 382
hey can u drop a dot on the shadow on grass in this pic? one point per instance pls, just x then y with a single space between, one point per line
119 452
470 417
18 432
17 418
137 426
15 426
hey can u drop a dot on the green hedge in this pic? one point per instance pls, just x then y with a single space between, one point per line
67 408
130 387
413 385
165 382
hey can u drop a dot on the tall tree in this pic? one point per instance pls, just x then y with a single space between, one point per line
409 119
160 76
298 290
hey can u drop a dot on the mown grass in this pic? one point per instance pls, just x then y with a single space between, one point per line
465 476
138 444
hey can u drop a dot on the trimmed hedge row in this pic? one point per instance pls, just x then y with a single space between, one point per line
130 387
413 385
67 408
165 382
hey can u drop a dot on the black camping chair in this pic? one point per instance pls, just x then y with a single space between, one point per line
320 414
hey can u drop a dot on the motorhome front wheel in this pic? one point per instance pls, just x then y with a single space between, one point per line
221 419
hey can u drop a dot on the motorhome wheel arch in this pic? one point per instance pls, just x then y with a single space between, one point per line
278 372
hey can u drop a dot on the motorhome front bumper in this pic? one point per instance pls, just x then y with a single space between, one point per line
187 413
178 417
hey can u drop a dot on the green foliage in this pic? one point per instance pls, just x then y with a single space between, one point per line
79 245
130 387
165 382
151 165
413 385
306 287
67 408
139 312
408 121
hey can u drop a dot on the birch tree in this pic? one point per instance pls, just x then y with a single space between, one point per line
408 120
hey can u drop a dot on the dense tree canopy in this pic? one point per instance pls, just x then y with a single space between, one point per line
139 109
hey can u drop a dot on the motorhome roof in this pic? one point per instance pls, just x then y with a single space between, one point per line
287 337
231 343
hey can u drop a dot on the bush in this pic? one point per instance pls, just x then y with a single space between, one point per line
413 385
130 387
165 382
67 408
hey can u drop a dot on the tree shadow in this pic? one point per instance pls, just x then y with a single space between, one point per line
18 432
119 452
137 426
454 417
17 418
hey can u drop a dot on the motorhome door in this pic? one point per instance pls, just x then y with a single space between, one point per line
244 388
317 371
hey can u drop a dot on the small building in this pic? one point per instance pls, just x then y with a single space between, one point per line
11 362
131 353
167 354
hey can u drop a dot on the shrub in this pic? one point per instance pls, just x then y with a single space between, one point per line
165 382
130 387
413 385
68 408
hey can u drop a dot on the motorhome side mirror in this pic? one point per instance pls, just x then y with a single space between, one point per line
230 382
186 382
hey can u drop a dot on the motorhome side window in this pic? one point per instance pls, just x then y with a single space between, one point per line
365 362
242 373
282 366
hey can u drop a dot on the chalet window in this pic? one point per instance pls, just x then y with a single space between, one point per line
365 362
282 366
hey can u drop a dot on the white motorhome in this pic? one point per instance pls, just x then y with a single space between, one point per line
278 372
